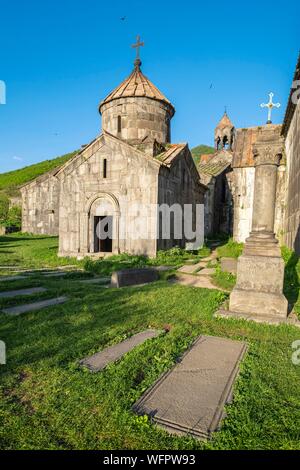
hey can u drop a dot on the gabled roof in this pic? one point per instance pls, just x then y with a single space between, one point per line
216 164
137 85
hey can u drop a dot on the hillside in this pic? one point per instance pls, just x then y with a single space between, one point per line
201 150
10 181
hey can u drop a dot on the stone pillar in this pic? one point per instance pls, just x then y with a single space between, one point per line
258 294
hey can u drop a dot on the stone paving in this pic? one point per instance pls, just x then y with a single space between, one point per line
109 355
34 306
197 275
190 398
16 293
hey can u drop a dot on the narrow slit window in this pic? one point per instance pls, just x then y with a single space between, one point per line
105 168
119 123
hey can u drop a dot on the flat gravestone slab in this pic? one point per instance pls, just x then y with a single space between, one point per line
229 265
56 274
11 278
15 293
190 398
132 277
34 306
163 268
101 359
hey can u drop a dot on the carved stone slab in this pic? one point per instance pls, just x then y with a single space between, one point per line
132 277
190 398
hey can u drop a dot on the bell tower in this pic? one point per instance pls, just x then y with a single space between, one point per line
224 134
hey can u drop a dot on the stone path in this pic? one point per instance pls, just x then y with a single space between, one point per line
190 398
192 268
34 306
194 281
101 359
15 293
197 275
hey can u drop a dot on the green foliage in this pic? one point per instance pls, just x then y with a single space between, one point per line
114 263
291 278
4 207
14 218
201 150
231 249
224 280
10 181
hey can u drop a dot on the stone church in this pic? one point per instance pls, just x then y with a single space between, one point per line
229 174
131 163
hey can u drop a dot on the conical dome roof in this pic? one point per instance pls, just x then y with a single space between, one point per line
137 85
225 122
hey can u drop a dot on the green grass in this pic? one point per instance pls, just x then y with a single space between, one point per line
31 251
201 150
47 401
231 249
10 181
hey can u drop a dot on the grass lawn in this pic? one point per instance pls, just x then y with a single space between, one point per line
48 402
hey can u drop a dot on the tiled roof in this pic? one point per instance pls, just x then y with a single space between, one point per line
225 122
137 84
217 164
171 152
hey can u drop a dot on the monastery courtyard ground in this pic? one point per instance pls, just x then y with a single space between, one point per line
48 401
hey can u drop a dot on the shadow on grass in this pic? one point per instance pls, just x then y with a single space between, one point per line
291 280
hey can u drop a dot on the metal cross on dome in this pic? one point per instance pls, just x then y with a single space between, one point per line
270 107
137 46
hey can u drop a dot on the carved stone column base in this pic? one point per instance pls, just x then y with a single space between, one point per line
259 287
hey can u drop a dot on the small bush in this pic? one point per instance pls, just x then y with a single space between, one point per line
232 249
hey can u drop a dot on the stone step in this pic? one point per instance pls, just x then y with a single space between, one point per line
16 293
109 355
190 398
34 306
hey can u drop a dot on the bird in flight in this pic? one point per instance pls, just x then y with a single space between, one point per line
123 18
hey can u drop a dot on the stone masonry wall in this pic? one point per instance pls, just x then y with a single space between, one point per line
40 206
140 117
292 221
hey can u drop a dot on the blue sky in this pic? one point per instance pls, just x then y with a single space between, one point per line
60 58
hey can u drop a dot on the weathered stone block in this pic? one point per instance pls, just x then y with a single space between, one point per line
229 265
131 277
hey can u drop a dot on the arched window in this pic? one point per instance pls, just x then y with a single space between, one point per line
225 142
119 124
105 168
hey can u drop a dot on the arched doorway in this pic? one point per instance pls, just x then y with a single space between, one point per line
103 224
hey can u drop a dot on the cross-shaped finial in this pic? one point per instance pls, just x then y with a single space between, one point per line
270 107
137 46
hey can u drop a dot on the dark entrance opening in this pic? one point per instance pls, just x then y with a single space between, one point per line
103 234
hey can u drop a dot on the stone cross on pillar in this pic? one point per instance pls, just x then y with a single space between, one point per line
270 107
258 294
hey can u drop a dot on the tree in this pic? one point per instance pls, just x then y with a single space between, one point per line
4 208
